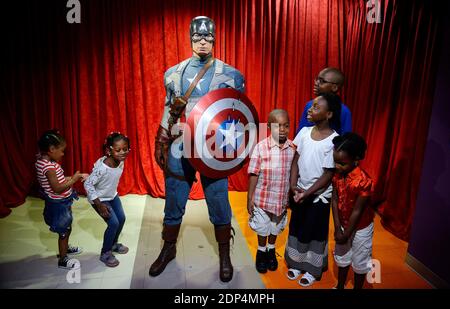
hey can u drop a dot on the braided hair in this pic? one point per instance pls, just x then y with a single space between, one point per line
112 138
50 138
351 143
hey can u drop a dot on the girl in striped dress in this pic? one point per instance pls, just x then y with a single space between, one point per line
57 192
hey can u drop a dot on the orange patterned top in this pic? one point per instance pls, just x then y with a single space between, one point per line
349 187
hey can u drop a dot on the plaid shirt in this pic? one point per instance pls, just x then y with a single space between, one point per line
272 163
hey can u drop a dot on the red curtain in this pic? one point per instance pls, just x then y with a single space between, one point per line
106 74
391 69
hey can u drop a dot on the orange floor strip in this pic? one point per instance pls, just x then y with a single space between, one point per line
387 249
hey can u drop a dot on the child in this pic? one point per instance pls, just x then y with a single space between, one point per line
268 188
311 174
353 218
101 188
57 192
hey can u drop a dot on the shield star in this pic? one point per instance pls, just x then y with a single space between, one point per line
230 134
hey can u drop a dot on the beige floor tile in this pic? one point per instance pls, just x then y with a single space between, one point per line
84 284
26 242
120 282
166 280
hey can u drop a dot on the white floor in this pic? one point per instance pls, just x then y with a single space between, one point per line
28 250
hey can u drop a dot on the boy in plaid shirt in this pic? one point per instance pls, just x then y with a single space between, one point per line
268 188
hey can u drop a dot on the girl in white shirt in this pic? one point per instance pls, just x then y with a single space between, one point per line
311 173
101 188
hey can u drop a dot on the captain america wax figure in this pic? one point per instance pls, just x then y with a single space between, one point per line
183 92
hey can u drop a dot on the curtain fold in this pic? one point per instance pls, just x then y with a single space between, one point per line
106 74
390 69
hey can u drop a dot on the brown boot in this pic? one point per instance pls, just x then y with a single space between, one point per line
223 236
169 250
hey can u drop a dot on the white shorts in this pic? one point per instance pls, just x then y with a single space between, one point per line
265 224
357 251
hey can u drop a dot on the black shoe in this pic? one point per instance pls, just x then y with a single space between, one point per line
72 250
272 263
261 261
66 263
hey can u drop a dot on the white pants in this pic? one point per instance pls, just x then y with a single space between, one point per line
357 251
265 224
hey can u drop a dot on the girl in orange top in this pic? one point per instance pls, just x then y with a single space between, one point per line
352 214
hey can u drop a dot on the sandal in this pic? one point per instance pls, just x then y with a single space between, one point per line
307 280
293 273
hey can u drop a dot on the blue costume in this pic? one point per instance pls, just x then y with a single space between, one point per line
179 173
346 119
178 78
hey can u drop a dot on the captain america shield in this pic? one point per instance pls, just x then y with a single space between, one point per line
221 132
